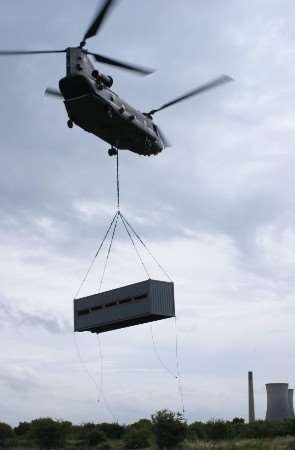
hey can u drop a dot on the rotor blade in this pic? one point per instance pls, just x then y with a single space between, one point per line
205 87
121 64
99 19
163 138
53 92
28 52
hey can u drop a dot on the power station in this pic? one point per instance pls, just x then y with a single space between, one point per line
291 407
279 401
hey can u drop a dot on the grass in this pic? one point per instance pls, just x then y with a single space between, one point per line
286 443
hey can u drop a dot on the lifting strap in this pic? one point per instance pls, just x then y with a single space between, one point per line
134 239
118 181
132 234
96 254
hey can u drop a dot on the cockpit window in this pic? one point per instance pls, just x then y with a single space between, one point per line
155 129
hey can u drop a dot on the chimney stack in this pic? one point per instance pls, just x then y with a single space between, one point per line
291 407
251 398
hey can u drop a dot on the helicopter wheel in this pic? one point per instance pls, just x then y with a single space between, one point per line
70 123
112 151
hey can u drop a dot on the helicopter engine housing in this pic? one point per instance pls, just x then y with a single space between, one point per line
100 77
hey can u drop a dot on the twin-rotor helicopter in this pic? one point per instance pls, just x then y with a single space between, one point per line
92 104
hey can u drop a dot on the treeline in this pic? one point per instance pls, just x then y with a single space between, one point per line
237 429
165 429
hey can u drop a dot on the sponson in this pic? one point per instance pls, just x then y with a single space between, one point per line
138 303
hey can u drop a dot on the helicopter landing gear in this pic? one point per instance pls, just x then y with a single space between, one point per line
70 123
112 151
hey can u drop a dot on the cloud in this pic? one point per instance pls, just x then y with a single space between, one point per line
19 379
18 318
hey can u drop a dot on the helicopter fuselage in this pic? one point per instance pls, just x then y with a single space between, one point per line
93 106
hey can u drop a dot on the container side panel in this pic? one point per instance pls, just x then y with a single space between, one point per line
162 298
111 313
142 302
127 323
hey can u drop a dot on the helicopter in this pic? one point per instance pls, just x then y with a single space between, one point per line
92 105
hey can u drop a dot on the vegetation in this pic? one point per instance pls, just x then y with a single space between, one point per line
136 438
169 429
6 433
139 435
48 433
166 430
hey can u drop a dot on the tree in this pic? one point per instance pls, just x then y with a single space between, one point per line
169 428
94 437
6 433
91 434
291 427
142 423
48 433
238 420
137 437
217 430
112 430
22 428
196 430
104 446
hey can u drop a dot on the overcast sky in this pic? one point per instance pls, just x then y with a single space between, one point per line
217 209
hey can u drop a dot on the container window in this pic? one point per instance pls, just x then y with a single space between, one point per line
96 308
83 312
140 297
108 305
125 300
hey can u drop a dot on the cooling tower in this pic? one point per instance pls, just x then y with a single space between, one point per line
291 407
251 397
277 402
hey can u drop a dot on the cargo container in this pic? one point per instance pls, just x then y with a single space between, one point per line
138 303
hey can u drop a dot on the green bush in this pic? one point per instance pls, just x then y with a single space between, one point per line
238 429
217 430
94 437
48 433
142 423
6 433
82 431
137 437
112 430
104 446
88 426
258 430
238 420
290 426
196 430
166 429
22 428
169 429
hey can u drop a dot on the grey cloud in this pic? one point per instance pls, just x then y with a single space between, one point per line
18 318
50 324
19 379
